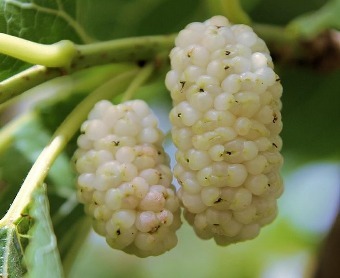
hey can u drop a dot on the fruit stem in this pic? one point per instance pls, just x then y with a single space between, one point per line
59 140
233 10
274 34
126 49
142 76
59 54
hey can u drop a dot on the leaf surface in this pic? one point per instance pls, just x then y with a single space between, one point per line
10 253
42 255
42 21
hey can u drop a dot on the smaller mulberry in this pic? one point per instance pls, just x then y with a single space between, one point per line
124 179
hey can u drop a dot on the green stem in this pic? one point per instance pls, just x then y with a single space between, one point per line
59 140
59 54
25 80
309 25
119 50
142 76
127 49
232 9
280 41
274 34
84 80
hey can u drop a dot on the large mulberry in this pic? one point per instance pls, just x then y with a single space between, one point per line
125 180
226 122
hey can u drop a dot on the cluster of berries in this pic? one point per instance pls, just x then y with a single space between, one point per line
225 121
124 179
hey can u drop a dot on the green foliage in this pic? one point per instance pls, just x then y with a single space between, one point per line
13 171
44 21
42 249
136 17
11 253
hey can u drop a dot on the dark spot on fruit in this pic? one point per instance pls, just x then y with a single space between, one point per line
226 67
116 143
118 232
218 200
274 118
182 83
155 229
189 53
227 52
201 90
274 145
179 115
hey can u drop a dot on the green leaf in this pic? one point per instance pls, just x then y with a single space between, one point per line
10 253
13 169
42 21
42 255
120 18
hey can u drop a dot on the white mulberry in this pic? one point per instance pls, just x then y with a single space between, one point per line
225 123
124 179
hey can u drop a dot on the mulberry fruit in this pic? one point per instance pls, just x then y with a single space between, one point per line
124 179
225 124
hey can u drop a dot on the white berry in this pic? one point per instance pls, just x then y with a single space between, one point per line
226 122
124 179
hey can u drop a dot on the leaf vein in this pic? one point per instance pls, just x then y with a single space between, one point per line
60 12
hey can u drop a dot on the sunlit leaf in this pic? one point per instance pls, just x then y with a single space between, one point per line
10 253
43 21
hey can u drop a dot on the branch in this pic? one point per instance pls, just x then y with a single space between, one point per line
328 264
127 49
59 54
